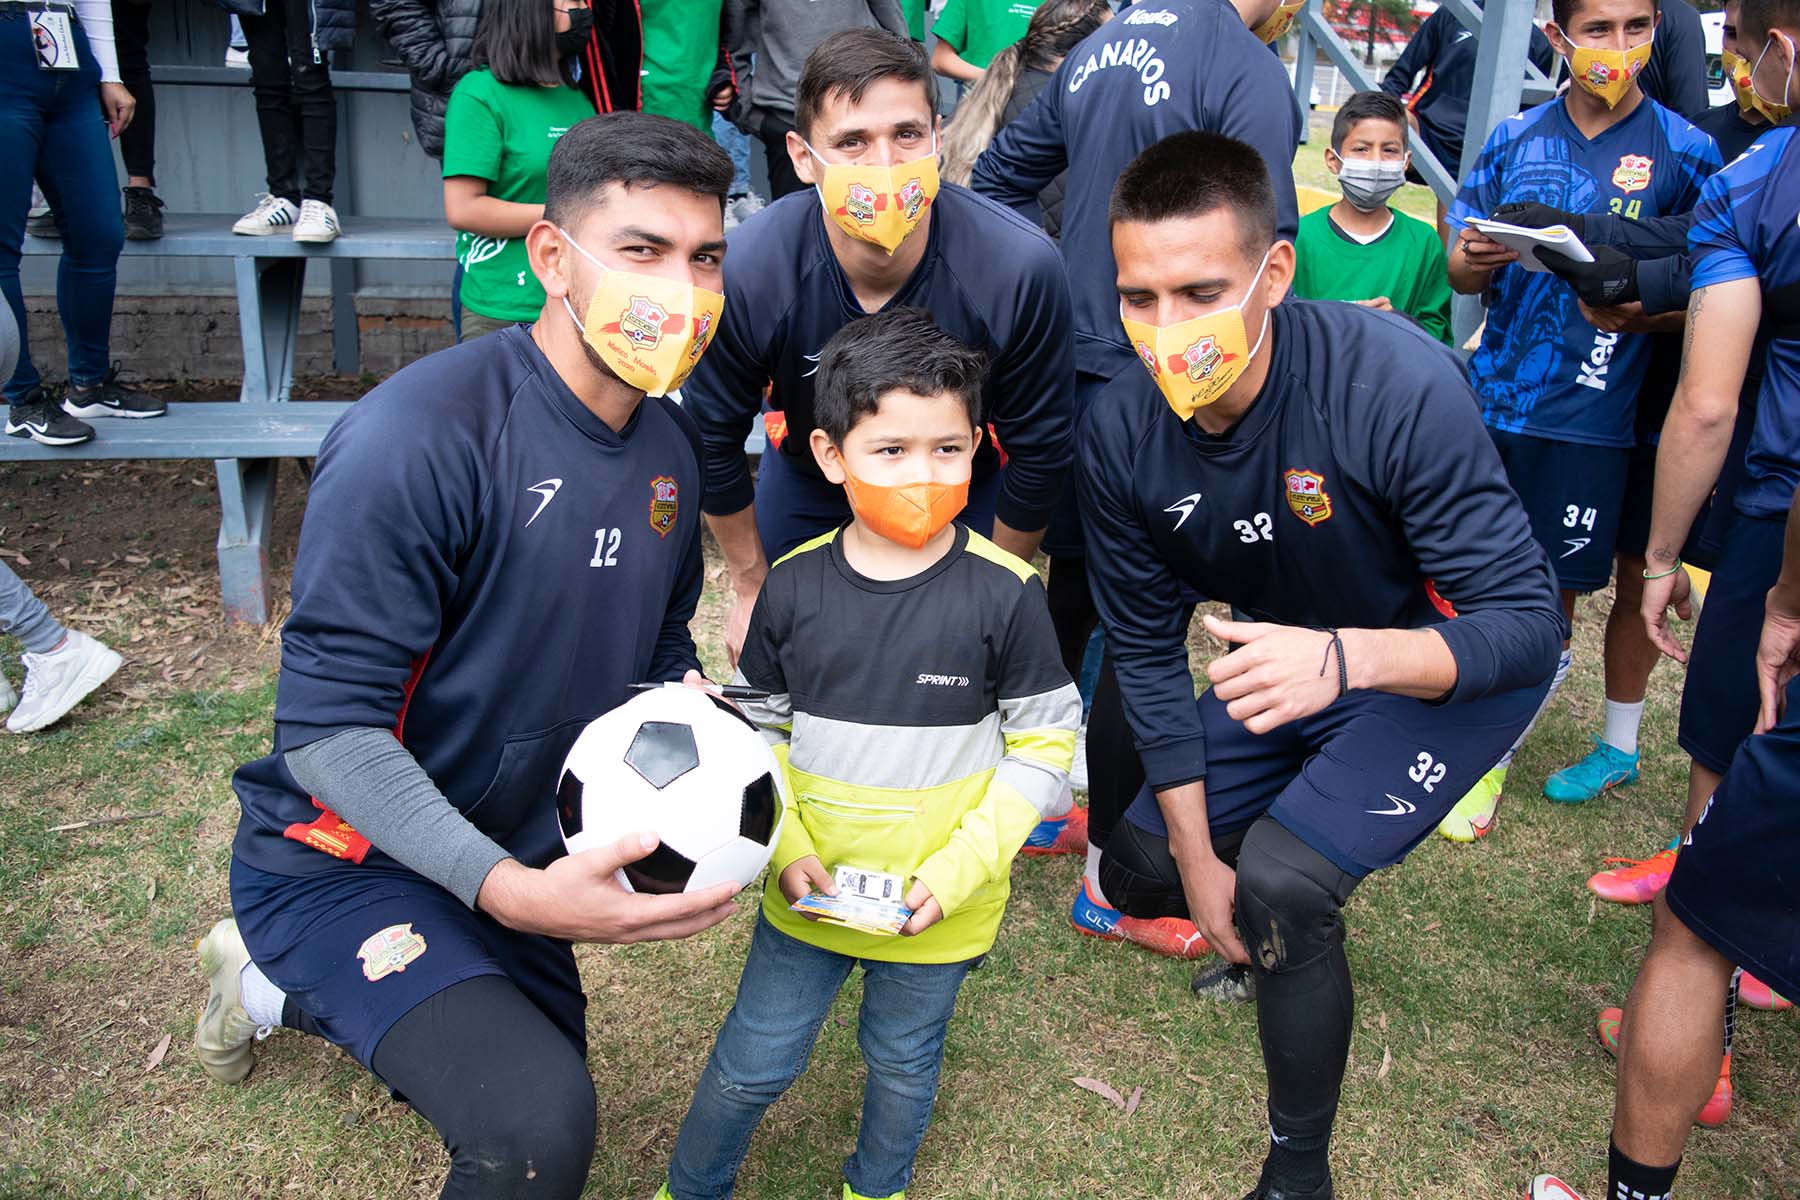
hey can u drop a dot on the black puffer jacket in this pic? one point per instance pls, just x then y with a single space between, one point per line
433 38
334 24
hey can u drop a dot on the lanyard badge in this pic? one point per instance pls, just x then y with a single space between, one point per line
53 37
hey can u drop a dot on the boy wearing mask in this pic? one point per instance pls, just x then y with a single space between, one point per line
902 630
1360 249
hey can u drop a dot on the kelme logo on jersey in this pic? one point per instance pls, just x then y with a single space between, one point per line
665 504
1632 174
1307 496
390 950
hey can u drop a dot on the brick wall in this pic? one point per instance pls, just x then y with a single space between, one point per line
167 338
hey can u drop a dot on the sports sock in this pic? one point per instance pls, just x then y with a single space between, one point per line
1731 1003
261 999
1093 874
1630 1180
1296 1172
1622 720
1063 803
1556 682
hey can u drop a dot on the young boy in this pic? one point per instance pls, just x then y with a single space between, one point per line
1360 249
918 695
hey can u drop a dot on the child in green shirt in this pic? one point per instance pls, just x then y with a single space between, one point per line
1359 249
970 32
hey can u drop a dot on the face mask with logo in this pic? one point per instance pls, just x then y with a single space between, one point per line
649 331
1608 73
878 204
1278 21
574 39
1776 110
1367 183
910 514
1736 70
1194 362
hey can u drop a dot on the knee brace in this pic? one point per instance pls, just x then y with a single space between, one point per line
1289 900
1139 876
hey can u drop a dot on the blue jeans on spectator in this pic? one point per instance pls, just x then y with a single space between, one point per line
737 144
782 999
24 616
51 127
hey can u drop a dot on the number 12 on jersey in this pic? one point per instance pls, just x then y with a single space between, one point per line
606 548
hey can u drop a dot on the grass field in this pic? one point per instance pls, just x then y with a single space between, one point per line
1479 969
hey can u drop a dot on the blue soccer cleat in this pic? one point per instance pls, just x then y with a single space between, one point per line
1605 766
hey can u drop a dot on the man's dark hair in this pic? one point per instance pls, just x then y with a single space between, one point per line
1192 173
1562 10
1366 106
1757 17
896 349
853 60
634 149
516 40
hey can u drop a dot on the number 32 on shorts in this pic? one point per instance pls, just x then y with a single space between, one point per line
1427 772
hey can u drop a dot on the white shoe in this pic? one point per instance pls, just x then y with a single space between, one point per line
224 1032
8 697
237 57
1549 1187
58 681
742 209
1078 778
272 214
318 222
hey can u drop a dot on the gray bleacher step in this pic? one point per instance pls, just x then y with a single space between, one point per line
230 429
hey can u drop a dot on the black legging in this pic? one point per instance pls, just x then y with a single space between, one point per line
782 178
295 108
1072 611
509 1094
1115 775
131 38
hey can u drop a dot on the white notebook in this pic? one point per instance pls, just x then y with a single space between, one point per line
1526 241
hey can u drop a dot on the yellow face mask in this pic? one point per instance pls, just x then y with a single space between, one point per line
878 204
1608 73
649 331
1278 21
1736 69
1776 110
1194 362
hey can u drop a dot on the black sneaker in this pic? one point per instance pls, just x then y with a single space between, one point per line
143 215
108 399
42 421
1225 982
42 225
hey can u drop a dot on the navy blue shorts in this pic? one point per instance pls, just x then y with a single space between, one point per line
1709 528
1734 883
1719 699
1635 506
793 506
1573 495
1363 781
358 947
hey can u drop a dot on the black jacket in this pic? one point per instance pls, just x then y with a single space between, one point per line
433 38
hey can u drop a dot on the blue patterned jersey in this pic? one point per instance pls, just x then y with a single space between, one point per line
1747 226
1541 368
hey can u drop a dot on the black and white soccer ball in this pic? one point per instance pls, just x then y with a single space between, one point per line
686 766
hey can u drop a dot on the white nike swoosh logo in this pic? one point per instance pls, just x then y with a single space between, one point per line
1184 506
1401 808
547 490
1575 545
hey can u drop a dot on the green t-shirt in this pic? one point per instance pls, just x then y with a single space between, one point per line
979 29
1405 264
915 18
503 133
681 52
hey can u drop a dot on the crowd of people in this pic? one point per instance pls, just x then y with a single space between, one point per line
1086 318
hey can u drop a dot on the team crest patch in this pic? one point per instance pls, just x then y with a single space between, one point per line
1632 174
665 504
1307 496
860 204
1201 359
912 198
389 951
643 322
702 331
1146 356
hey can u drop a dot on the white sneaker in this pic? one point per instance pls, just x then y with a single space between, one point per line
8 697
224 1032
1078 778
57 681
272 214
742 209
318 222
237 57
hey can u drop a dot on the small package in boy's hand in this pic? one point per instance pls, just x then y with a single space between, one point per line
862 913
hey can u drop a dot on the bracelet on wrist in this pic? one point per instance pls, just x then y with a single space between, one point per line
1663 574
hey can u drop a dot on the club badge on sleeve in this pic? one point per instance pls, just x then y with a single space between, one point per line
390 950
665 504
1306 495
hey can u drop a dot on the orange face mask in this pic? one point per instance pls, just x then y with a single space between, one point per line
908 514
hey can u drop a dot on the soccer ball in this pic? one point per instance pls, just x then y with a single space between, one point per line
686 766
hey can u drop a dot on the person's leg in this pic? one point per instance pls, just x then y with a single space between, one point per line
504 1088
277 116
25 95
786 990
906 1008
131 38
24 616
782 177
315 105
476 325
1072 610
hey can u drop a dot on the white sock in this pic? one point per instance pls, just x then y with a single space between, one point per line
1556 682
261 999
1064 802
1622 722
1093 874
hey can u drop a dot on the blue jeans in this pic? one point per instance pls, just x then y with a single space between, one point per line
24 616
51 127
782 999
736 143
